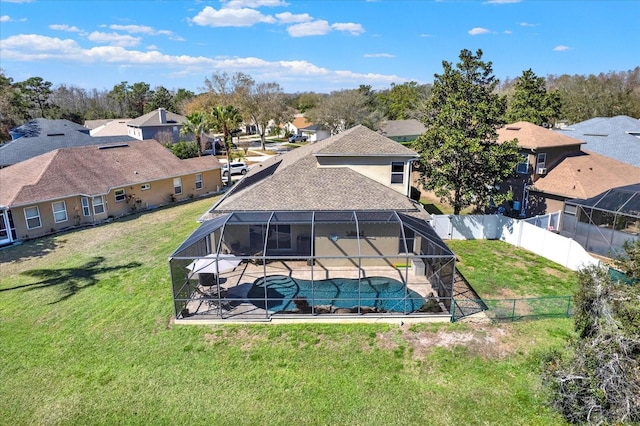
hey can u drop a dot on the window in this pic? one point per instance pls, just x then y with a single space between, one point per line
85 206
199 181
120 195
32 215
59 211
542 161
177 186
397 172
98 205
523 167
279 237
570 209
145 186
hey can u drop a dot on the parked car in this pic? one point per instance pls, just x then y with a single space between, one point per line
237 168
297 138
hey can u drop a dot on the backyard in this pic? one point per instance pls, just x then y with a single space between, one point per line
87 332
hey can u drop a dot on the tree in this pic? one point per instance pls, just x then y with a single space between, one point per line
13 110
225 119
531 102
460 158
197 123
160 98
341 110
263 103
403 101
36 92
629 262
138 98
184 149
181 97
598 379
120 94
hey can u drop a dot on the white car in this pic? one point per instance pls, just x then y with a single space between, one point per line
237 168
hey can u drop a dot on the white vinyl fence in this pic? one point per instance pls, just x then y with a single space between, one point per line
519 233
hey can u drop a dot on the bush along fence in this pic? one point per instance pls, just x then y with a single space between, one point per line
502 310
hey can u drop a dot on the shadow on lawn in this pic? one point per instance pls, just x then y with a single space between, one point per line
31 249
70 281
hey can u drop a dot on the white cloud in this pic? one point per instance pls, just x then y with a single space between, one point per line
527 24
353 29
133 29
114 39
5 18
31 47
379 55
64 27
227 17
306 29
17 1
290 18
478 31
426 35
238 4
508 32
561 48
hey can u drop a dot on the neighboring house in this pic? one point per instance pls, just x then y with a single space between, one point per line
161 125
301 126
326 228
111 128
83 185
604 222
42 135
403 130
615 137
554 169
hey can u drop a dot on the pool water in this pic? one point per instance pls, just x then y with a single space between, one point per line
377 292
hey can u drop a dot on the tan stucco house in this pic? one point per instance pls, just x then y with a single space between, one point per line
76 186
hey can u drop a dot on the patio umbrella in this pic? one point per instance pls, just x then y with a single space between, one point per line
214 264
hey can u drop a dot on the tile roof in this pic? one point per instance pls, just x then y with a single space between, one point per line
616 137
586 174
294 181
92 170
300 122
153 118
532 136
394 128
44 135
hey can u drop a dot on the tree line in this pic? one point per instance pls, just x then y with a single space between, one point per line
576 98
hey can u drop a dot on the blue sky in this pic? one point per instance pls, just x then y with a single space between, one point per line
318 45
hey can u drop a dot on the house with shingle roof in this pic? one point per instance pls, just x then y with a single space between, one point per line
323 212
615 137
403 130
77 186
161 125
555 167
42 135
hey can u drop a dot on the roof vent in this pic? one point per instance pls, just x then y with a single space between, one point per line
513 128
122 145
55 134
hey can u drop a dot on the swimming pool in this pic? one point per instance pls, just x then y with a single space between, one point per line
383 293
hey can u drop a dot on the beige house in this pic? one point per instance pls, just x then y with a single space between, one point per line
72 187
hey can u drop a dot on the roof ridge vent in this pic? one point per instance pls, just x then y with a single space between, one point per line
513 128
122 145
55 134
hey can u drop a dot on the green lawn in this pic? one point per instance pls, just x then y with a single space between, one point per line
499 270
86 337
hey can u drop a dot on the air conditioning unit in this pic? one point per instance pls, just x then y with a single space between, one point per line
542 170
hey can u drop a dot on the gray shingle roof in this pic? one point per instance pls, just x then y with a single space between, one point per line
609 136
43 135
299 184
154 119
395 128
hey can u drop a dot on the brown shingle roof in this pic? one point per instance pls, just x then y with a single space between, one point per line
531 136
90 170
586 174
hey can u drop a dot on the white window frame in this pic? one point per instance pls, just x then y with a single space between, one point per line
177 186
396 173
101 204
145 186
541 163
120 195
86 210
199 184
55 206
28 218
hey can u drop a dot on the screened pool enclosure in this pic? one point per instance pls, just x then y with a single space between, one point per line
603 223
302 264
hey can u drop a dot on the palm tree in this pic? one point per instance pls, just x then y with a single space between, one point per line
225 119
197 123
